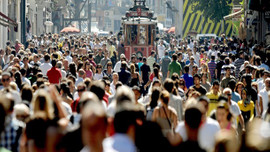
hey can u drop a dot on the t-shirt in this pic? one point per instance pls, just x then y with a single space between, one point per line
225 81
265 99
188 79
206 136
247 110
201 89
213 101
145 69
54 75
174 67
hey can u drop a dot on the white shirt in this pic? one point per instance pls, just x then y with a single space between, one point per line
118 143
45 67
98 76
117 66
206 136
161 51
265 99
69 58
24 79
79 80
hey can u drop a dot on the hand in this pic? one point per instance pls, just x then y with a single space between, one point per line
54 94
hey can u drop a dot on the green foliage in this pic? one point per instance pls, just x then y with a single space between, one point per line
214 10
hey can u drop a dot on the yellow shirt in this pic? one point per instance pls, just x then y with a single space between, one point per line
247 110
213 101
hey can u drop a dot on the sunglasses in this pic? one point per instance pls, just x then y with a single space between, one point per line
109 65
5 80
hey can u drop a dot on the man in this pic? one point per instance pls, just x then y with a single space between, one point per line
238 62
94 126
54 74
205 134
219 65
197 84
68 57
99 56
35 61
174 67
264 95
165 61
225 81
125 126
191 64
235 96
81 75
151 60
24 79
59 66
187 77
45 66
234 108
175 101
227 63
213 97
133 61
117 67
180 60
104 61
212 68
26 66
124 75
115 78
145 69
161 49
81 88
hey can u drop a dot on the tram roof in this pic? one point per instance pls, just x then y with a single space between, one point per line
139 20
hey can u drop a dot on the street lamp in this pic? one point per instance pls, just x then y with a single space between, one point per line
90 2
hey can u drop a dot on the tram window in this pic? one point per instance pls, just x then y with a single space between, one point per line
149 35
142 39
134 33
128 34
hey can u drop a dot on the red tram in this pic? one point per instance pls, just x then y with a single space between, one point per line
139 29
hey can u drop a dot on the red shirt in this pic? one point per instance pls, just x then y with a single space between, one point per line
74 104
54 75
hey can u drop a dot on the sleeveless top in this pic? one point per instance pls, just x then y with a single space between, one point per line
134 81
164 123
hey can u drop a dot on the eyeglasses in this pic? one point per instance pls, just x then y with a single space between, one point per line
5 80
229 94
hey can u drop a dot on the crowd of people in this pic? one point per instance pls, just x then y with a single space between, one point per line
79 93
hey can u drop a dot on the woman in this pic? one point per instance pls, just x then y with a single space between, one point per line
224 117
87 69
259 111
204 69
246 106
156 76
135 77
164 115
109 71
98 75
153 103
18 79
205 83
27 94
65 93
72 69
239 87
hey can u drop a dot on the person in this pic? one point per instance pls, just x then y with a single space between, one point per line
246 106
187 77
176 102
165 61
109 71
197 86
161 49
205 83
151 60
87 69
59 66
54 74
219 65
239 87
238 62
251 92
164 115
81 76
235 96
225 81
212 68
104 61
45 66
145 69
224 117
99 56
81 88
124 75
140 63
115 79
94 125
135 76
264 95
153 103
174 67
213 96
98 75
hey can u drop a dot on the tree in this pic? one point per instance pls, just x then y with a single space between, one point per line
212 9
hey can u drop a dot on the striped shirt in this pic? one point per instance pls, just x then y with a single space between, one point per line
212 66
238 64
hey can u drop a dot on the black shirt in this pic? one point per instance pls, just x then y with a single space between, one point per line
201 89
145 69
219 67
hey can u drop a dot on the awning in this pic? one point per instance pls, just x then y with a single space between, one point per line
230 16
6 21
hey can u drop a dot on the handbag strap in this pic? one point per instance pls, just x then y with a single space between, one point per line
167 117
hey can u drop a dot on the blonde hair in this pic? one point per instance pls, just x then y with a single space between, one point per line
132 68
43 104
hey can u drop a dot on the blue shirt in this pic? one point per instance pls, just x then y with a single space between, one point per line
235 97
188 79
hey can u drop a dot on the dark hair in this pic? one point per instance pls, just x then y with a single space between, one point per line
27 94
193 117
186 69
156 72
65 88
168 85
2 117
97 87
154 98
197 75
46 57
215 83
18 79
23 71
72 69
53 62
174 57
232 84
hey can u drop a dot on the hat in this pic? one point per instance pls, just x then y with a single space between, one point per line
204 98
122 56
